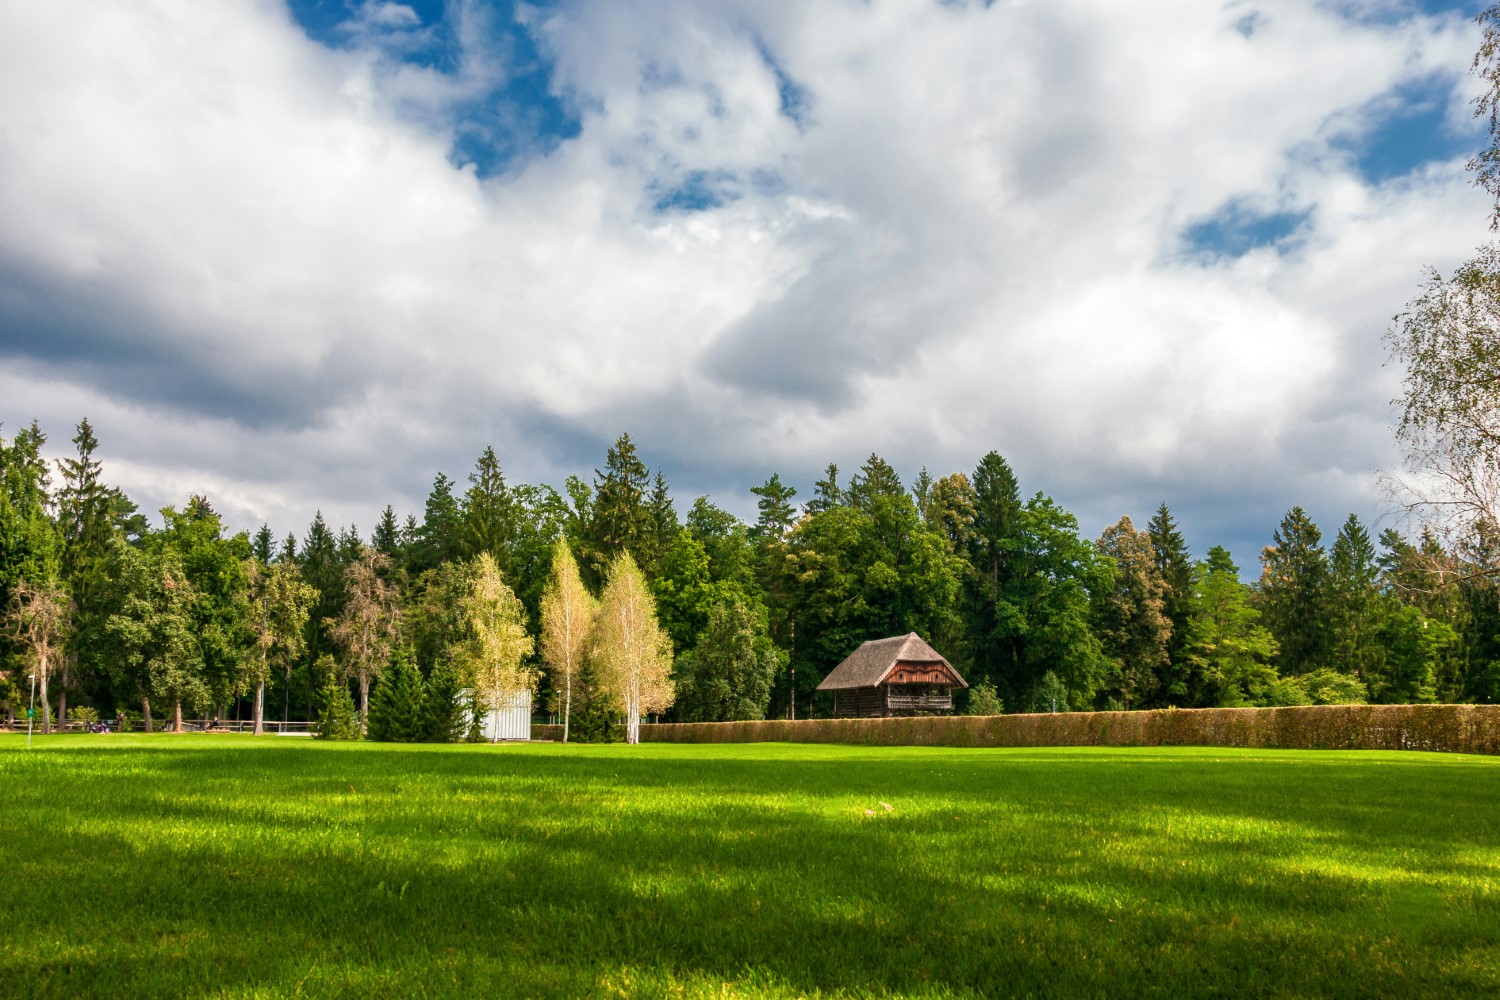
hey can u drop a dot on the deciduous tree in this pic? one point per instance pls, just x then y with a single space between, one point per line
632 654
568 613
369 624
499 643
38 617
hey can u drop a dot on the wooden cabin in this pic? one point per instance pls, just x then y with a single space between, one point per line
897 676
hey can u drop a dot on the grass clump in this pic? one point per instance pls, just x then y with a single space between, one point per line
226 866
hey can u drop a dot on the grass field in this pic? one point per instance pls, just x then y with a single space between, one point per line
226 866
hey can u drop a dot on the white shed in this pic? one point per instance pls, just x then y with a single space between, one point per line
512 720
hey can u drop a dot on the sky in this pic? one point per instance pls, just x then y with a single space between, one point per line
307 255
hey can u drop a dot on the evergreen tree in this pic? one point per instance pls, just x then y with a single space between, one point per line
997 518
875 481
263 546
1175 566
445 708
397 705
488 512
338 719
620 518
1294 593
1355 601
826 492
387 537
86 524
777 512
440 538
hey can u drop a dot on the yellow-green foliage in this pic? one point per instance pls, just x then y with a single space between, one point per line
1451 728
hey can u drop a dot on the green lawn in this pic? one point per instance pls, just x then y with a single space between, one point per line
227 866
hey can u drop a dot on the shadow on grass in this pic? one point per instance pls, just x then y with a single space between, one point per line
452 873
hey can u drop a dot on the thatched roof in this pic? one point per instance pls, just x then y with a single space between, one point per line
869 665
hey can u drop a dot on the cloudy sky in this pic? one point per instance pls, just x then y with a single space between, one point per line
306 255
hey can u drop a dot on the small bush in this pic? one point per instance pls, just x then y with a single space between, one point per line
984 700
86 714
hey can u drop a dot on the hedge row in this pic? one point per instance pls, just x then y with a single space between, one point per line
1452 728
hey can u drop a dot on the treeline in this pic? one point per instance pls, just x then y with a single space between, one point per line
194 617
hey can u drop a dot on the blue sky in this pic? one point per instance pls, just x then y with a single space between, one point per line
307 257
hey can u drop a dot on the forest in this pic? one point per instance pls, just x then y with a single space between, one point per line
117 614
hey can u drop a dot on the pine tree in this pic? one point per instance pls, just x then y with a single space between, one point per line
826 492
396 713
1294 593
777 512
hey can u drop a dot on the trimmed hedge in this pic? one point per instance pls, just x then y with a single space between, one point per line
1450 728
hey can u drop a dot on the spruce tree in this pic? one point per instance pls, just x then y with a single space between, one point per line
488 513
263 546
1294 594
444 705
396 704
387 537
440 537
1175 566
1355 601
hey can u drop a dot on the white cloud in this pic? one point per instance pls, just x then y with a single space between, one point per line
249 259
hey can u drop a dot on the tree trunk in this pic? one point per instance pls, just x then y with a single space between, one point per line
364 703
177 716
146 712
567 705
260 708
62 699
41 670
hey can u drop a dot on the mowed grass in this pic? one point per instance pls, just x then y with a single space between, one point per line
227 866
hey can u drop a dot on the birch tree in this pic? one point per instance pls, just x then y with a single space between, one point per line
37 617
632 654
366 630
568 613
499 642
280 604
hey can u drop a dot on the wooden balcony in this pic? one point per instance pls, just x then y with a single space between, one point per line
919 702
